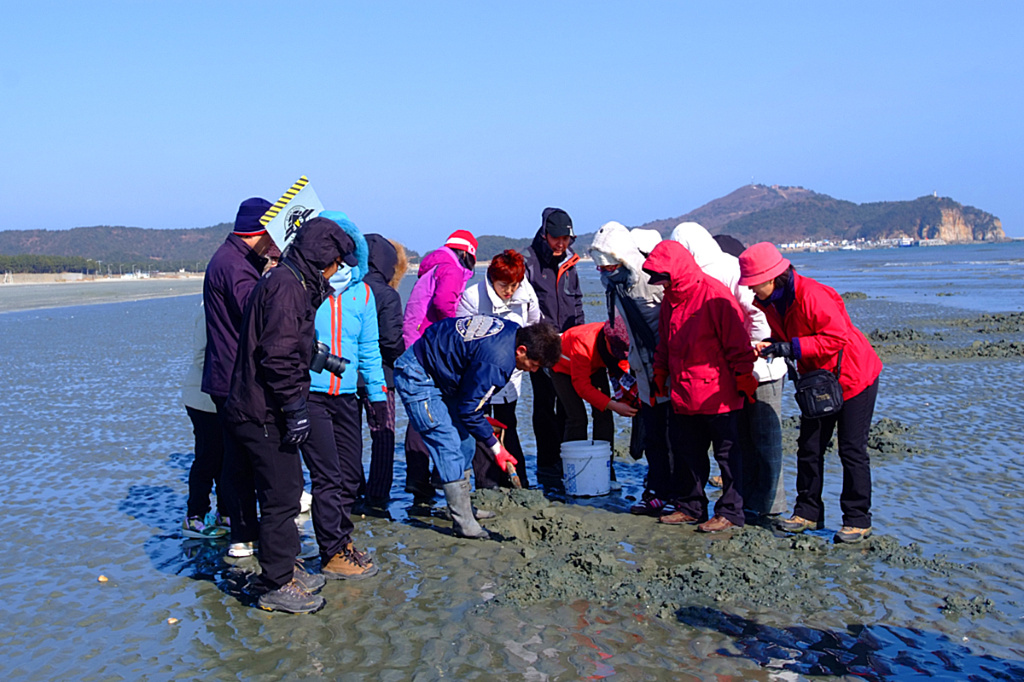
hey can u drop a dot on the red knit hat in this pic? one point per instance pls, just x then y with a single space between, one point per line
462 240
760 263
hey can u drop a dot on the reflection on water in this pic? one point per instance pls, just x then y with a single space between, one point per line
871 652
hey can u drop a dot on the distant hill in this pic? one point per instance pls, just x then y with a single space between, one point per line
783 214
125 246
752 213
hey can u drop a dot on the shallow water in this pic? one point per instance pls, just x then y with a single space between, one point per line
97 450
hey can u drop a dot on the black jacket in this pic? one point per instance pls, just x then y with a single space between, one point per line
383 259
275 345
556 282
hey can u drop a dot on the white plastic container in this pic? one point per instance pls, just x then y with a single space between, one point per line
586 467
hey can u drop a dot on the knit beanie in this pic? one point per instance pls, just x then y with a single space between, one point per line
462 240
247 222
617 337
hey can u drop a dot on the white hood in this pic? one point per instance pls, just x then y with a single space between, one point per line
726 269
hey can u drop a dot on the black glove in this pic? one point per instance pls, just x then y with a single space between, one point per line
782 349
377 415
297 424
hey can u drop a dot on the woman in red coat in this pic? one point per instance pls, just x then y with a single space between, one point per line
809 324
704 352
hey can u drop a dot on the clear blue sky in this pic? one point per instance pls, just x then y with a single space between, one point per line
418 118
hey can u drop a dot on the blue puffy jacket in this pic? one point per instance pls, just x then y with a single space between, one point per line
469 359
347 323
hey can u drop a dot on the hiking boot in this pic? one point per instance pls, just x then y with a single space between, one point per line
851 534
678 518
223 522
649 505
310 582
716 525
798 524
291 598
195 527
239 550
349 564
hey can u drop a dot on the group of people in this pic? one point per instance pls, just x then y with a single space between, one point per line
292 349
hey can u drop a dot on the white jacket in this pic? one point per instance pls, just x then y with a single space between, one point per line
726 269
523 309
616 242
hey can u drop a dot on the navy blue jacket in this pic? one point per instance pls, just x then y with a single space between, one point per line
556 282
230 278
469 359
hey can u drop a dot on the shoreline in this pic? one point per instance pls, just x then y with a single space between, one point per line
24 296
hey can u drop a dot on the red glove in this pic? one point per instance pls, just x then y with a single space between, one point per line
660 389
504 458
747 386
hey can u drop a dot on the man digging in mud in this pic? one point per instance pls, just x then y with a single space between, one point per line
445 380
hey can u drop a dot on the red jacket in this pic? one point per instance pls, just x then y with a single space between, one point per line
580 360
817 322
703 343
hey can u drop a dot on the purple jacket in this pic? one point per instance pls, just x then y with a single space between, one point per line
436 294
230 278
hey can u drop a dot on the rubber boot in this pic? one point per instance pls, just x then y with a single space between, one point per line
463 523
479 514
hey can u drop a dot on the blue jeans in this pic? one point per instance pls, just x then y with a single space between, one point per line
450 445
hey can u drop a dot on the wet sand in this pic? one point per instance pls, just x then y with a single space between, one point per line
97 451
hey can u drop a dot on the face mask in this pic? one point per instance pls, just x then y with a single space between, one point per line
342 277
617 276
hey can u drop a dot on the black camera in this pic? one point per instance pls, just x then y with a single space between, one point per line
323 359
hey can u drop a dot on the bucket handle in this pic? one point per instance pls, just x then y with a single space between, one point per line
583 468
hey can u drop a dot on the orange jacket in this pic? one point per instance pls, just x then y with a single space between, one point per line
580 360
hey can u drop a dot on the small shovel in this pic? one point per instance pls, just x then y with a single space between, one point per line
510 468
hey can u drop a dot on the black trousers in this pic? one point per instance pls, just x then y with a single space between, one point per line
854 422
205 469
548 421
576 409
239 499
656 449
277 475
417 464
380 417
691 436
333 454
486 473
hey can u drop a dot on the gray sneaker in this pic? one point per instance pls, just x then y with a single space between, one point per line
291 598
310 582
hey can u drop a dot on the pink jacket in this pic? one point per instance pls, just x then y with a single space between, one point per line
703 343
436 294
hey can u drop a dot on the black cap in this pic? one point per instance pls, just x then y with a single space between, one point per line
729 244
557 223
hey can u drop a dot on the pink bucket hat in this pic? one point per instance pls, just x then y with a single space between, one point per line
760 263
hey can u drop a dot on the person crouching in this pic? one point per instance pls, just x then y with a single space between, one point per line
705 353
446 378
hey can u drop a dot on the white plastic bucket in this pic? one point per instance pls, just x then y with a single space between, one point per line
587 467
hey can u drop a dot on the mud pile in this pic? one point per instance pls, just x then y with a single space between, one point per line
565 553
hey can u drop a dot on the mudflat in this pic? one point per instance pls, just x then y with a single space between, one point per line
97 450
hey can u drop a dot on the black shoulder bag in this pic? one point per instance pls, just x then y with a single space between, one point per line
818 393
